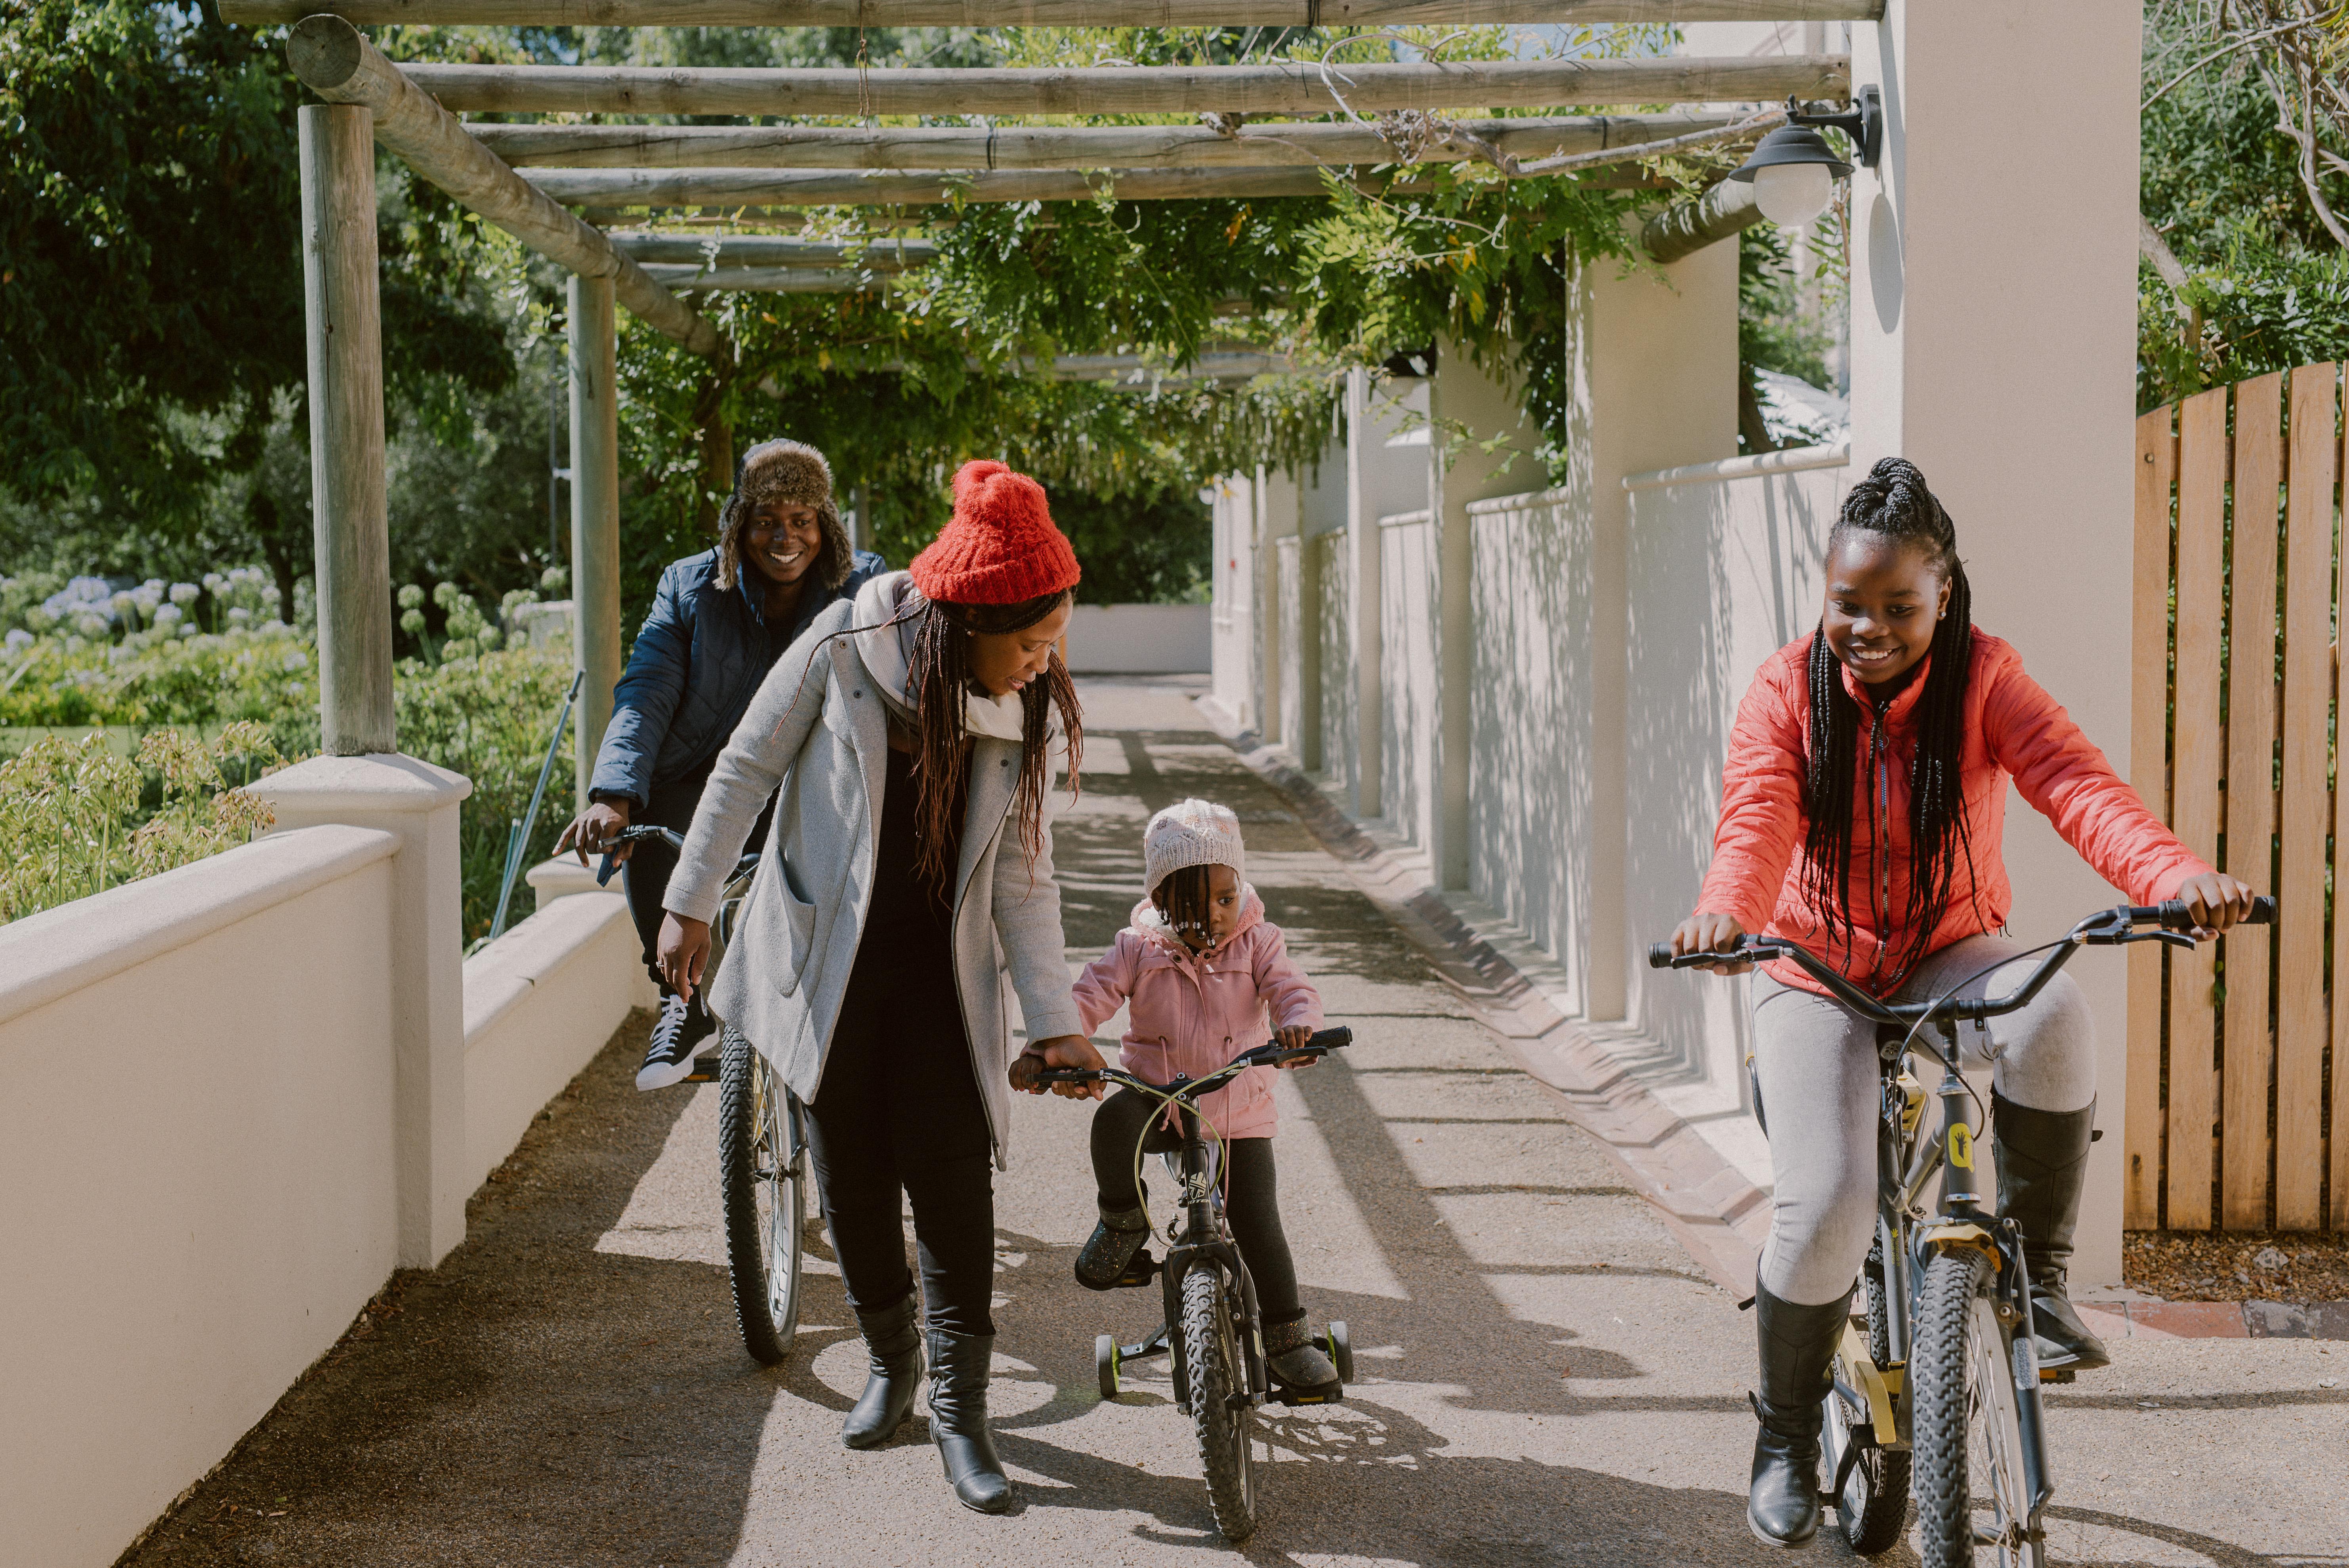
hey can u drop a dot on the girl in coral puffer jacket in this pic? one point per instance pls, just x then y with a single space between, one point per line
1206 977
1860 815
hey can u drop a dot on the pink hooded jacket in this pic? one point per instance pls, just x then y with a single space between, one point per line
1192 1013
2014 729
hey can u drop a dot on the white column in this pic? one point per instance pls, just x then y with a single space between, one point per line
1276 519
1656 368
595 514
348 520
1364 439
1994 321
1465 398
1233 595
419 802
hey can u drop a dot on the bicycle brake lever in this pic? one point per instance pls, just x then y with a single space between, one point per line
603 873
2174 938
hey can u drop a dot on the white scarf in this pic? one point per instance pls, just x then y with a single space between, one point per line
887 651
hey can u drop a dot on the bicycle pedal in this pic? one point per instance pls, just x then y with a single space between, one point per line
704 1070
1140 1270
2058 1375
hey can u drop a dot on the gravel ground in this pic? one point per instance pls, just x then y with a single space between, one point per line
1544 1376
2235 1266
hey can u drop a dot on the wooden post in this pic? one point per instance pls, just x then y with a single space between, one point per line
595 514
348 522
2143 1121
1300 14
1726 209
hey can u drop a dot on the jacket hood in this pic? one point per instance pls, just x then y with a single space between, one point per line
1154 927
887 617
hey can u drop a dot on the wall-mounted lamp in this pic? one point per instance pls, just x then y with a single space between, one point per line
1794 169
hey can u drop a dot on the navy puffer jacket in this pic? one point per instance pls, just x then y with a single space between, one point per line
696 666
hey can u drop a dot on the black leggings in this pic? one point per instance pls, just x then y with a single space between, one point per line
1252 1196
899 1111
646 872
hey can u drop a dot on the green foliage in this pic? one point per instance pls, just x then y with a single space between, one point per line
75 818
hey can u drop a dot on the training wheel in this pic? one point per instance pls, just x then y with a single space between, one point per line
1342 1352
1106 1365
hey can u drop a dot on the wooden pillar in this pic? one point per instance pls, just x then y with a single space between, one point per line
595 513
351 535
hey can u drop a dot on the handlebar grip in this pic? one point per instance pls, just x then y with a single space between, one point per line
1659 956
1332 1039
2176 916
2263 912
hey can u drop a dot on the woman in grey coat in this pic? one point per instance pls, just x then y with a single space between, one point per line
910 866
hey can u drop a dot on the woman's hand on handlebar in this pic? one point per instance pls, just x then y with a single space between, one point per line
1296 1037
594 828
1707 932
1059 1051
2217 900
680 951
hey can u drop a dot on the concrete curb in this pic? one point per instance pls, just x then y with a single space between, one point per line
2154 1319
1720 1216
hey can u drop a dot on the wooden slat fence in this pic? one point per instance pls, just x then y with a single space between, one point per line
2237 1115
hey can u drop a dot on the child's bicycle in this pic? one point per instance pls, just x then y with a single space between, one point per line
1943 1387
762 1160
1211 1328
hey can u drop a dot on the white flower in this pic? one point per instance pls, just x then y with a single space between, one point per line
213 581
239 615
90 625
19 639
185 593
296 661
192 630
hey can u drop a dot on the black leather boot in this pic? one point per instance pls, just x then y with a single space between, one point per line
2042 1163
1782 1499
959 1364
893 1343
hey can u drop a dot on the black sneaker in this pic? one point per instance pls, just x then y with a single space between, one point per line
677 1040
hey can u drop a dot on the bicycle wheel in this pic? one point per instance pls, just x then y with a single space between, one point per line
1964 1428
1220 1410
762 1177
1872 1505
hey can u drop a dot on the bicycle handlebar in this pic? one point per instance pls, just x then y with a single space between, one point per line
646 831
1272 1054
2105 927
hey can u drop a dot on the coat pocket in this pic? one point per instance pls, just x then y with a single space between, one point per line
778 935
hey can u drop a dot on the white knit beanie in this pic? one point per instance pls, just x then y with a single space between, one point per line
1190 833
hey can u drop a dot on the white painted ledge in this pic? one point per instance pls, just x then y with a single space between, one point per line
60 951
1493 505
560 878
1792 460
1404 519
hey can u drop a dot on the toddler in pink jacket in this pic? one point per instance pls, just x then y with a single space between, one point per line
1205 977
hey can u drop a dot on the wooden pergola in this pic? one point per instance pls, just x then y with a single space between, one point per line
1262 136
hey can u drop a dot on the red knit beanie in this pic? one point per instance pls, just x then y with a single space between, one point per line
1000 547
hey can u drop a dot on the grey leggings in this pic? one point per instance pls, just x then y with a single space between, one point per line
1816 1067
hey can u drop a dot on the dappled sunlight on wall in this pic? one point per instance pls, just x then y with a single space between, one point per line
1408 678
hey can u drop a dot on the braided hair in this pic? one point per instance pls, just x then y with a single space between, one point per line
1894 503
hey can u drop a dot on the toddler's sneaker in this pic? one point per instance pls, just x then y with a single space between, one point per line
677 1040
1103 1264
1295 1363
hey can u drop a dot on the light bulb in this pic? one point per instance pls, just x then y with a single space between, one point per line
1793 194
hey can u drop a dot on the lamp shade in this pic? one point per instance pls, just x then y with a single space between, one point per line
1793 172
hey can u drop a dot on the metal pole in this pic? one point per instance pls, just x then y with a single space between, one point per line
348 523
595 514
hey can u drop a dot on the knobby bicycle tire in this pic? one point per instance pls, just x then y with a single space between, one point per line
1872 1509
754 1137
1215 1377
1952 1313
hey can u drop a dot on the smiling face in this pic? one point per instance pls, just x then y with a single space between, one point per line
1002 663
781 542
1883 598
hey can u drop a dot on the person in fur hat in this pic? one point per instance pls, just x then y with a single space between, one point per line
719 622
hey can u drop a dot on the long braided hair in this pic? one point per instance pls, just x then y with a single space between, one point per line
1893 502
936 684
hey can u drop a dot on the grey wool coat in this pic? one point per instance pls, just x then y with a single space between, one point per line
817 730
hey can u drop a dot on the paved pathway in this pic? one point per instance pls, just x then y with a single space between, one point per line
1546 1378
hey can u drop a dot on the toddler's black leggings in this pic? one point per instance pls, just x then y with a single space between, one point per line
1251 1197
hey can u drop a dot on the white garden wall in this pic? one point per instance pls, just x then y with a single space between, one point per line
1341 696
1140 639
203 1144
1407 673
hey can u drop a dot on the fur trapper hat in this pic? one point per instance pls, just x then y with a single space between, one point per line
791 473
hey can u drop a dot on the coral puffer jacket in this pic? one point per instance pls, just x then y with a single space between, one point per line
2012 729
1192 1013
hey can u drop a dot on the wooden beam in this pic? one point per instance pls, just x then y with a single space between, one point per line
349 524
341 67
624 187
1043 13
1048 147
1286 89
740 251
1726 209
772 280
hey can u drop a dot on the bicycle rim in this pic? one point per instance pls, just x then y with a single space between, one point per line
1211 1348
1872 1504
1994 1440
760 1198
778 1171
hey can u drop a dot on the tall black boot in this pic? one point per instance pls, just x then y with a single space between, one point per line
1782 1499
893 1344
959 1364
2042 1163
